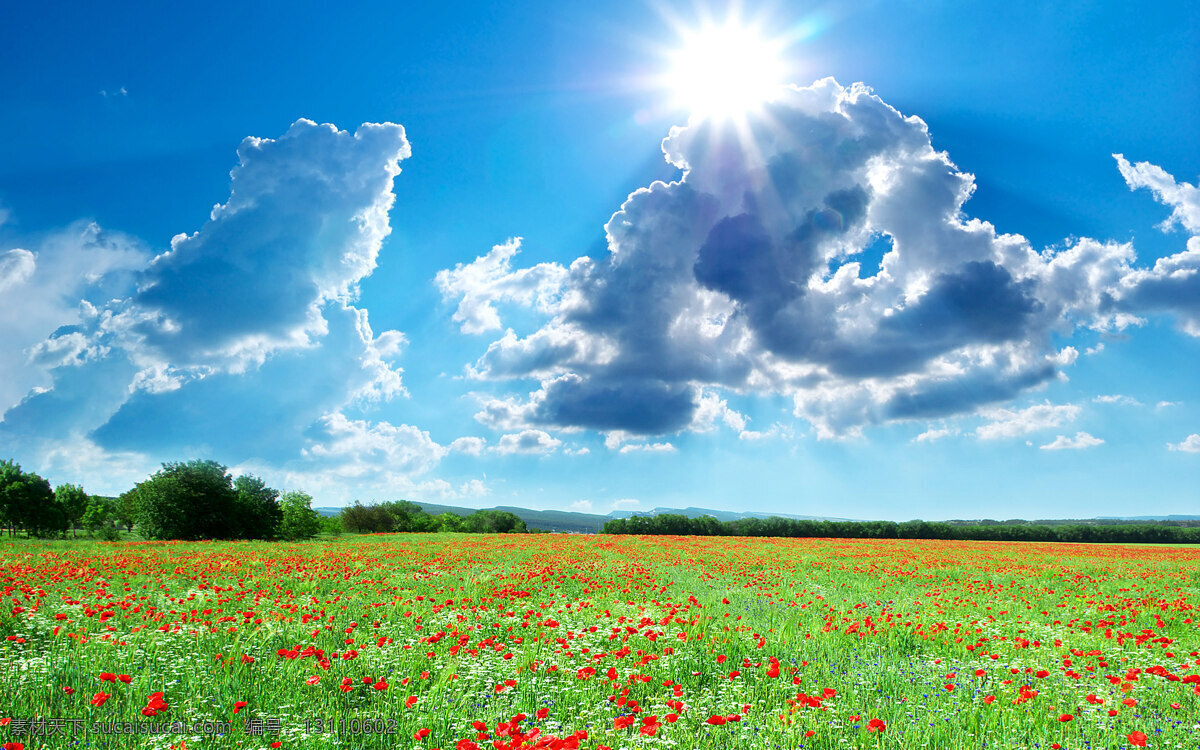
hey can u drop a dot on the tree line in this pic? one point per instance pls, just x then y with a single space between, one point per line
202 500
183 500
681 525
402 515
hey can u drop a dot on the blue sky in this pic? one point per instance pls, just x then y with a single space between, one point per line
414 251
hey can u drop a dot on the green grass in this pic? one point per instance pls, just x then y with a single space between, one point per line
179 626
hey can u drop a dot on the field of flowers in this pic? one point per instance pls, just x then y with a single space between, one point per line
556 641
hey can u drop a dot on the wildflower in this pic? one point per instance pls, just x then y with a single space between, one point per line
98 699
1137 739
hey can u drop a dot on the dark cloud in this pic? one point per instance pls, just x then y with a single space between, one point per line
746 274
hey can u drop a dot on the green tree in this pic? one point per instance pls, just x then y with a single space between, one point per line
493 522
406 515
448 522
73 501
192 500
27 501
258 512
330 525
100 514
300 521
367 519
10 474
125 509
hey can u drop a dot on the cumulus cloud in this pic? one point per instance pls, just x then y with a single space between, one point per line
49 295
535 442
1079 442
1173 284
1190 444
489 279
625 502
472 446
16 267
401 448
583 506
1182 197
241 339
1007 423
748 274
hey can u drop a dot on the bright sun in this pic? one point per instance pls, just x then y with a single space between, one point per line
723 71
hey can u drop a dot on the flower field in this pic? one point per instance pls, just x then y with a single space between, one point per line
557 641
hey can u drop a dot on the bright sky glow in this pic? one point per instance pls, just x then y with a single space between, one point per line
610 256
723 71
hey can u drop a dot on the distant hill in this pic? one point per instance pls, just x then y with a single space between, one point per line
1148 518
720 515
591 523
588 523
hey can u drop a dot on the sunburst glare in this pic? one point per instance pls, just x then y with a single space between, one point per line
724 70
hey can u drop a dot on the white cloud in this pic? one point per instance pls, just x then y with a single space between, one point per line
935 433
1006 423
534 442
648 448
1166 404
472 446
625 502
1173 284
583 506
489 279
16 267
1190 444
746 275
401 448
1182 197
1079 442
710 409
1116 398
583 451
242 339
776 430
40 302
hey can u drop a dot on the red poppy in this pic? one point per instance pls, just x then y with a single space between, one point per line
1137 739
98 699
238 706
715 720
876 725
